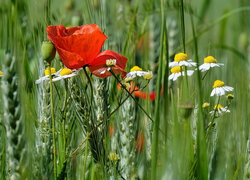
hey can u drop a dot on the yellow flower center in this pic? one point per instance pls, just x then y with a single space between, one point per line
135 68
218 106
176 69
46 71
180 57
1 73
148 76
210 59
111 62
65 71
218 83
205 105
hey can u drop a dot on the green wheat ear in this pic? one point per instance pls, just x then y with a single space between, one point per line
13 119
44 135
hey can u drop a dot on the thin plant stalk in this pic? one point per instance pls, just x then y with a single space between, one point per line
212 122
182 25
202 167
53 121
155 137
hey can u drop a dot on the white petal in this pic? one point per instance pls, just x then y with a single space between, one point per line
173 64
228 88
190 72
57 78
214 65
193 63
41 79
213 92
171 76
176 75
221 91
184 63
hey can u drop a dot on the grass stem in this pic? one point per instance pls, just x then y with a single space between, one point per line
53 122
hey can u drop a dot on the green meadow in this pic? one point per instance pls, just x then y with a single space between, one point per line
179 110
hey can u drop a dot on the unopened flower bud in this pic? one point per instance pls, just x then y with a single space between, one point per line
48 51
230 96
205 105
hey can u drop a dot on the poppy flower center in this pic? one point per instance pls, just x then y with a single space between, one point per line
176 69
46 71
210 59
65 71
218 83
135 68
218 106
111 62
180 57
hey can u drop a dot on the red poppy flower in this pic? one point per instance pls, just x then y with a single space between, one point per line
99 68
77 46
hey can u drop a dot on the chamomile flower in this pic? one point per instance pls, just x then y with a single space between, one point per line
65 73
219 88
61 74
181 59
220 109
1 73
209 62
46 75
178 71
137 72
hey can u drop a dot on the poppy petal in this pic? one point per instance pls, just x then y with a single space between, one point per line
75 60
85 41
99 68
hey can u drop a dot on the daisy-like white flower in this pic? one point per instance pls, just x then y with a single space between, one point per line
178 71
209 62
220 109
136 71
61 74
219 88
181 59
1 73
46 75
65 73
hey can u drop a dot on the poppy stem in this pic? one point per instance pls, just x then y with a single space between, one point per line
53 121
130 95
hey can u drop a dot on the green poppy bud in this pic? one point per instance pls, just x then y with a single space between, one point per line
48 51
